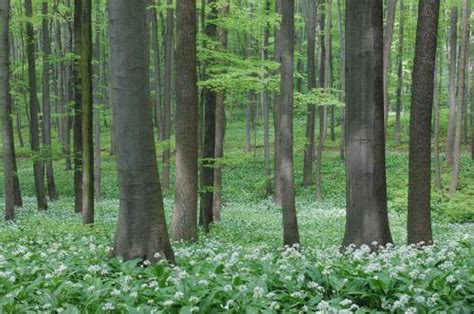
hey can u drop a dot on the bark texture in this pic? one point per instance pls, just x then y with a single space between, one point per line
387 47
453 31
141 231
419 177
366 190
187 119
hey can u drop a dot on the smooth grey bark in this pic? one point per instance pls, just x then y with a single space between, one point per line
98 109
290 225
8 138
157 65
387 47
436 124
452 84
168 55
48 164
187 119
311 14
141 230
208 151
276 114
266 107
423 85
366 190
342 77
34 108
398 107
461 97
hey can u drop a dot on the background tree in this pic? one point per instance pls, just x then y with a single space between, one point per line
366 190
387 48
187 119
452 83
423 85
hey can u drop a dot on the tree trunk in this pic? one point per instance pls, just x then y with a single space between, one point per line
290 225
387 47
472 109
461 93
167 95
452 84
220 132
77 119
5 99
34 124
53 195
266 107
436 124
312 7
423 85
400 77
342 151
187 119
156 48
98 109
276 114
207 174
141 231
366 190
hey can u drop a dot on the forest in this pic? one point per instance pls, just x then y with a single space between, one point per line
240 156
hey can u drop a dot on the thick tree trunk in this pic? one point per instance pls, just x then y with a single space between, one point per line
387 47
266 108
52 193
423 84
311 109
141 231
77 119
400 77
461 93
5 99
276 114
366 194
87 104
167 95
452 84
187 119
290 225
34 124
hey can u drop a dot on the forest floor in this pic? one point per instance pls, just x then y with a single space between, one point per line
49 261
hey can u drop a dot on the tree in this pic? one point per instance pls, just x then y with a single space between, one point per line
461 97
266 107
168 55
387 47
276 115
47 104
77 118
452 84
398 108
290 225
141 231
207 173
8 139
87 102
366 190
34 123
423 84
187 119
311 109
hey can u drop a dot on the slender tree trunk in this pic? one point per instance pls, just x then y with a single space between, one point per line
436 124
207 174
5 99
187 119
220 131
472 109
312 7
77 119
276 114
68 96
423 86
387 47
167 95
53 195
98 109
34 124
266 107
248 118
366 189
342 150
400 77
141 231
461 93
290 225
452 84
156 49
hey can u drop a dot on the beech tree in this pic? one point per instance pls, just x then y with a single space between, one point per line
34 107
187 119
141 230
366 189
423 84
290 225
452 83
387 48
